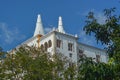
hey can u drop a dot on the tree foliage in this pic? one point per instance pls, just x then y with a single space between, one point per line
2 53
30 63
90 70
107 33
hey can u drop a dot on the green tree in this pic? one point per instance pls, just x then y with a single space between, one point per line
2 56
108 34
90 70
2 53
30 63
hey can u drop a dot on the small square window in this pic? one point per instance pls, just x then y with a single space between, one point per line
80 53
70 55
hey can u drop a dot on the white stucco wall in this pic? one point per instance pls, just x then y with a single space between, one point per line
33 42
46 39
90 51
64 49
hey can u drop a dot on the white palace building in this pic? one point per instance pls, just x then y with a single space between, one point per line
57 41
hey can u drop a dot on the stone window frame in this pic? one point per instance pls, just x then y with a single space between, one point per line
45 46
97 57
42 47
70 46
81 53
70 55
58 43
49 43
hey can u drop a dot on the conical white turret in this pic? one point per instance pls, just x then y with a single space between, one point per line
39 27
60 25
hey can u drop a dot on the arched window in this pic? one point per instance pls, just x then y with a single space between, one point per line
42 47
46 46
49 43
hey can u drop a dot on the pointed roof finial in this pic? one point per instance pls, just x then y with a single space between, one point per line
60 25
39 26
39 18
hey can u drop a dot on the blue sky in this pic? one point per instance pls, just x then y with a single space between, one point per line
18 18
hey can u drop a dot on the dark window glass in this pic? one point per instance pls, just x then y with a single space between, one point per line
70 46
80 53
58 43
42 47
46 46
97 58
70 55
49 43
71 64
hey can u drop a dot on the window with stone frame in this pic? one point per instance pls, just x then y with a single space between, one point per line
80 53
70 47
45 46
49 43
70 55
71 64
42 47
59 43
97 58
